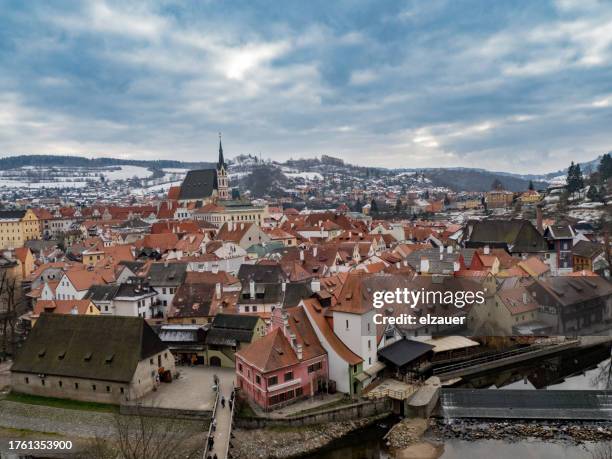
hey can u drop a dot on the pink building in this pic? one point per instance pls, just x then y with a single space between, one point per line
287 364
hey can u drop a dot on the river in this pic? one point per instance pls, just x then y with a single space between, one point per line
585 371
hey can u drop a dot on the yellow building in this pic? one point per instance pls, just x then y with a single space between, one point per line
232 211
530 197
17 227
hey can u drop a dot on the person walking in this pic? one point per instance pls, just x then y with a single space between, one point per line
222 401
214 424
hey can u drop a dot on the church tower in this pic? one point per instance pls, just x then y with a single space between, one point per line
222 178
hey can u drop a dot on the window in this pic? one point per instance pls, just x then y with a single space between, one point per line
369 342
121 389
42 382
93 387
27 380
314 367
257 379
151 361
288 376
240 367
347 327
108 389
369 360
273 380
59 383
247 309
76 385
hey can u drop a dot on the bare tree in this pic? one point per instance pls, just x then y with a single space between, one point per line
9 303
146 437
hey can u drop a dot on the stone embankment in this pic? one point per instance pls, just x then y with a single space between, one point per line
471 430
283 442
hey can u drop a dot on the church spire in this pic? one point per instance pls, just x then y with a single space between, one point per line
221 160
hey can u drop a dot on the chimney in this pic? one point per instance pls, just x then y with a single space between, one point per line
241 226
487 250
525 301
539 223
299 351
252 289
449 249
315 285
285 323
301 255
218 290
424 265
284 286
215 269
315 249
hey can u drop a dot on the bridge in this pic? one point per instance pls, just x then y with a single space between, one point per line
223 416
587 405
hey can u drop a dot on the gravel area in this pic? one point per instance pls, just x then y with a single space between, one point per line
56 420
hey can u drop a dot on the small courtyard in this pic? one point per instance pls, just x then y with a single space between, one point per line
193 390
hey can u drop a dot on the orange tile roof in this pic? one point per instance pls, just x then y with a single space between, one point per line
316 312
269 353
61 306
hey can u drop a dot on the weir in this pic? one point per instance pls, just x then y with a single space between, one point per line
587 405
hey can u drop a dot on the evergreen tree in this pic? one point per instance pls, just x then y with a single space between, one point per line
570 177
575 180
373 207
579 178
531 187
593 193
605 167
398 206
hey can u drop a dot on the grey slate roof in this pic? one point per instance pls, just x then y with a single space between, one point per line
260 274
404 351
296 292
436 266
105 348
199 184
12 214
171 275
101 293
517 235
231 329
587 249
235 321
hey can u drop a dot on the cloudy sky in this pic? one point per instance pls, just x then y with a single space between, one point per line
525 87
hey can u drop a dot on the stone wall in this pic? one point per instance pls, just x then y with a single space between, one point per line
87 390
351 412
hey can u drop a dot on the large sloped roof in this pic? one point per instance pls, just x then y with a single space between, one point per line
105 348
198 184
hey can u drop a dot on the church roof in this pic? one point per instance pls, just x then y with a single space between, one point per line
199 184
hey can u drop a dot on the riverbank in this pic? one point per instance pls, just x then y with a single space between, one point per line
405 440
286 442
475 430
